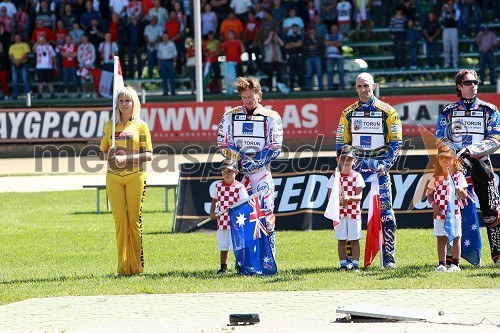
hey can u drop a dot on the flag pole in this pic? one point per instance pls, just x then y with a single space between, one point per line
239 203
113 117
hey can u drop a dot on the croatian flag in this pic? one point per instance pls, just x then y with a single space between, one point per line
471 236
450 220
250 240
117 86
374 229
332 211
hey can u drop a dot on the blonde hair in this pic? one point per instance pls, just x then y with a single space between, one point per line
248 83
456 166
128 92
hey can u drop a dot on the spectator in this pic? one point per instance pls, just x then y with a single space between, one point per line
450 15
134 44
134 7
18 53
241 9
344 10
181 48
377 13
412 38
58 40
160 13
310 15
267 25
250 36
86 60
362 17
46 15
334 56
10 7
96 36
231 23
321 29
278 12
408 9
221 8
486 43
398 36
68 17
70 65
45 64
147 5
266 5
77 33
40 30
233 49
212 48
208 20
152 37
118 30
329 11
4 71
431 32
88 16
314 48
167 54
107 51
294 47
470 8
187 5
273 58
290 21
119 7
424 8
173 29
21 23
5 36
6 19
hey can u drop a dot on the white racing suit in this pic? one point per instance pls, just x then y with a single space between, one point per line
374 129
254 140
472 129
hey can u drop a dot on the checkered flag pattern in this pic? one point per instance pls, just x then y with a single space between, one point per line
353 209
227 196
442 195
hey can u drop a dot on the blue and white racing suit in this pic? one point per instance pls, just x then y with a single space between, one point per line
254 140
375 130
472 128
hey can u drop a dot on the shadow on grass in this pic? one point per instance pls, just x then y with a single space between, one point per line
104 212
163 232
404 272
54 279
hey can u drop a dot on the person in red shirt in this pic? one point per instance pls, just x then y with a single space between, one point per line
250 33
233 49
117 29
212 48
59 39
173 30
40 30
70 64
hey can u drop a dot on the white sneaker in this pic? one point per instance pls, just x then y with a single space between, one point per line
441 268
454 268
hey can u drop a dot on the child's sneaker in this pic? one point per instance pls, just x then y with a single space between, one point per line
454 268
390 265
441 268
343 268
222 271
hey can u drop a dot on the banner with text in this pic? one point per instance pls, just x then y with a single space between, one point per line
301 193
303 119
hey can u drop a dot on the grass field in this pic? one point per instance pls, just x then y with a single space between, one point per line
54 244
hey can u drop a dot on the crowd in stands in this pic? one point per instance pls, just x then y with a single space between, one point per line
296 41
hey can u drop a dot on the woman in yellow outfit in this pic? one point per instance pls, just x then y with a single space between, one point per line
125 179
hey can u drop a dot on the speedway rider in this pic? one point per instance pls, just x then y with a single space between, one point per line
253 135
373 127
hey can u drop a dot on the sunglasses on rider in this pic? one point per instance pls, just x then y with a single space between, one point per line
470 82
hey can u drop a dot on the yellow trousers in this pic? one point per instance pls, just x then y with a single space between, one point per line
126 196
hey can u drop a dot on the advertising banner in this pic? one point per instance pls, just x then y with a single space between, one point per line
301 193
190 122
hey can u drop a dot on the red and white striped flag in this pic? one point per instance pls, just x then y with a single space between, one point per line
118 85
374 228
332 211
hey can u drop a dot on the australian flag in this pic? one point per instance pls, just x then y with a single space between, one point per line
251 240
471 236
450 220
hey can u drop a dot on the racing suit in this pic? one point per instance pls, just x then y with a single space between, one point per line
254 139
374 129
472 129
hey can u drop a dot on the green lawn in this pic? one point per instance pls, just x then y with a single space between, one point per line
54 244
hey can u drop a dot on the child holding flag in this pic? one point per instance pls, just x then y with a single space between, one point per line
345 189
225 193
445 193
